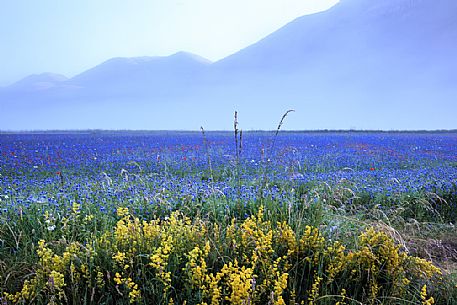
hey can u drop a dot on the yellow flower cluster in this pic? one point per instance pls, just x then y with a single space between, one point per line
122 211
336 260
75 208
51 271
239 281
254 240
159 261
158 240
133 291
425 301
179 260
196 265
314 293
280 282
342 301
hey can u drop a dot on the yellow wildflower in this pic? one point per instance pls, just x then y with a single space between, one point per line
425 301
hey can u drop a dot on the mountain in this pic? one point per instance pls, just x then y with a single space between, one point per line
358 35
368 64
37 82
132 75
387 64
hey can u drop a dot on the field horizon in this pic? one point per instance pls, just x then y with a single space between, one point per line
65 131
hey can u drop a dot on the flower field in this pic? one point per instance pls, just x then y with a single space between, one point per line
213 218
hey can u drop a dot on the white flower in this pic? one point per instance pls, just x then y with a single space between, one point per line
51 228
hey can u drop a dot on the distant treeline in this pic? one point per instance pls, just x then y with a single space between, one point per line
124 131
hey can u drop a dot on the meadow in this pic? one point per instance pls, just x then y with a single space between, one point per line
311 218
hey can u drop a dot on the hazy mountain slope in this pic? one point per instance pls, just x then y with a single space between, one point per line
391 36
41 81
365 64
142 71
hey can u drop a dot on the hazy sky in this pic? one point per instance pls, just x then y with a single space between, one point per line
69 37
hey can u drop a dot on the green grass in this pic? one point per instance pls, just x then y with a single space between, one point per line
338 214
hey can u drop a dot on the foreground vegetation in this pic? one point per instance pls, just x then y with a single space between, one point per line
221 232
273 256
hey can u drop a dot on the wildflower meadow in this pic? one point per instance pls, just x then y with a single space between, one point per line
99 217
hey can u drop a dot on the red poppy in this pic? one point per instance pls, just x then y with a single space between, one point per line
372 168
58 173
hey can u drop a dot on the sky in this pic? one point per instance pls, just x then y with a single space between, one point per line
71 36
